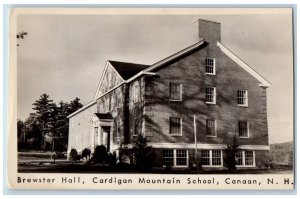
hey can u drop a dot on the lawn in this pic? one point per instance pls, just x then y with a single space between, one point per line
79 167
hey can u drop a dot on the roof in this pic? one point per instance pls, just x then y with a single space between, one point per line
127 70
104 115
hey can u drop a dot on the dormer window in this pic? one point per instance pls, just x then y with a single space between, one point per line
210 66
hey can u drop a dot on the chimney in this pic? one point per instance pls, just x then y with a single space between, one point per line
210 31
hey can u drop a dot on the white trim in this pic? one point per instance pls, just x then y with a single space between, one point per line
240 62
204 146
244 160
103 75
175 158
246 93
180 90
166 60
175 135
216 134
248 134
214 97
210 159
214 66
81 109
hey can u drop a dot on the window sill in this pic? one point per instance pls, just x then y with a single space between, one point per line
211 136
241 166
174 135
245 106
244 137
210 74
211 166
210 102
175 100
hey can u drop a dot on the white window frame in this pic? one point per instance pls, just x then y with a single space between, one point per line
214 66
175 158
214 97
247 129
244 159
215 124
180 90
174 135
134 127
135 92
246 98
210 158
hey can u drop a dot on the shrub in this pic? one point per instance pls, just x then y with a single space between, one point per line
111 159
86 153
100 154
73 154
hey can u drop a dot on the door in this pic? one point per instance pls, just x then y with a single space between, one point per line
106 137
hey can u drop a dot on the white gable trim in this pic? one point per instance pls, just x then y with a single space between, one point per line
262 80
108 64
83 108
170 58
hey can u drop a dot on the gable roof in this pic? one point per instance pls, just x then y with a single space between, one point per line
264 82
127 70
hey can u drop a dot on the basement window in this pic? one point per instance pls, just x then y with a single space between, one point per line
211 158
210 68
175 157
245 158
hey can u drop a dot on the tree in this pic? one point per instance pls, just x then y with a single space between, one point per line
74 105
45 108
142 155
231 151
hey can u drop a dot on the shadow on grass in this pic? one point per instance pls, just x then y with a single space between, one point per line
126 168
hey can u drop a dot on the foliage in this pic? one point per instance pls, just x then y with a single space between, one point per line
142 153
282 153
100 154
47 127
86 153
230 152
74 155
111 159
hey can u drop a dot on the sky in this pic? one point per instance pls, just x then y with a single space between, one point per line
64 55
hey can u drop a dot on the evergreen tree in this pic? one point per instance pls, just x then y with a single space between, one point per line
44 108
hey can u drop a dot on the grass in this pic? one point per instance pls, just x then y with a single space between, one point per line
79 167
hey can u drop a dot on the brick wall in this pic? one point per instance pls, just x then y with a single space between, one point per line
190 72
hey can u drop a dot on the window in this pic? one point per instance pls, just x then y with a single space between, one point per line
211 128
175 92
175 126
136 127
205 157
175 157
243 129
211 158
181 157
168 156
242 97
216 157
239 158
245 158
210 95
135 93
210 66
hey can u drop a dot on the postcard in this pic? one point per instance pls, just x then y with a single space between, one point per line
151 98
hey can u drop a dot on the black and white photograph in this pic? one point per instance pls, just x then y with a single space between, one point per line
114 98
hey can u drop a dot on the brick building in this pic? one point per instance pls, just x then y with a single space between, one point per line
189 105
